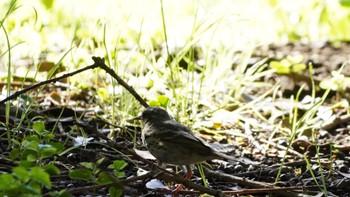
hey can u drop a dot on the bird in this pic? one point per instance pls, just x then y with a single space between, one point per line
171 142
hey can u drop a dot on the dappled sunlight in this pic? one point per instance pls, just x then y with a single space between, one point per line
256 90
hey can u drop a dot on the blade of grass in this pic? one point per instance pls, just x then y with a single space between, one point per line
9 66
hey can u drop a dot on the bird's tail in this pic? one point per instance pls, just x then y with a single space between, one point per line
223 148
242 160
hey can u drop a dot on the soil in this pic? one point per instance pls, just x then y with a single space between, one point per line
327 149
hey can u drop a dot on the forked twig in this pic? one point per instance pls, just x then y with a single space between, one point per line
18 93
98 62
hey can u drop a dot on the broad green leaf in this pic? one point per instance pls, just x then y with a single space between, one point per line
345 3
115 191
21 173
153 103
31 157
47 3
104 178
163 101
14 154
33 187
98 162
80 174
150 83
119 165
49 136
52 169
298 67
103 94
48 152
58 145
33 145
88 165
32 138
61 193
119 174
279 67
295 59
39 127
30 149
7 182
41 176
27 164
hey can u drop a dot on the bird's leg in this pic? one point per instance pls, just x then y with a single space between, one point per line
189 172
188 176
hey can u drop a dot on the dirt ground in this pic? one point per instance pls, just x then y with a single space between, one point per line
327 148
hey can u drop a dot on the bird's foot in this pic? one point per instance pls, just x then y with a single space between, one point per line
188 176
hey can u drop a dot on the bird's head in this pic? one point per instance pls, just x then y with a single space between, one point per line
154 114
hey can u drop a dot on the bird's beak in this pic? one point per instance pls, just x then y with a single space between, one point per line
139 117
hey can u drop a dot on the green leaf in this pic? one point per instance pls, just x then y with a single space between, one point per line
104 178
49 136
150 83
58 145
48 152
47 3
15 142
103 94
88 165
41 176
31 138
8 182
280 67
61 193
295 59
39 127
27 164
34 187
33 146
163 101
21 173
80 174
345 3
31 157
98 162
153 103
119 174
14 154
298 67
29 151
52 169
115 191
119 165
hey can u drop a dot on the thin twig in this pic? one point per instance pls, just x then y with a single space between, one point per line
98 62
89 189
18 93
101 63
281 191
230 178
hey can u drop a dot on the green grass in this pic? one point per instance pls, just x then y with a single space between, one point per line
184 51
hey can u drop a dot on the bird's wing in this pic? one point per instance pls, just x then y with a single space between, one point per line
174 132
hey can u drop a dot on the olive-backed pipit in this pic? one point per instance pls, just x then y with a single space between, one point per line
173 143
